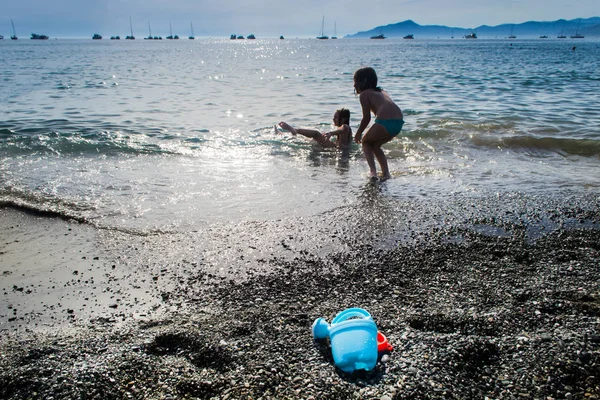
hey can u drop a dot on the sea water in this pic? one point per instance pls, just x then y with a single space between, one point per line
178 135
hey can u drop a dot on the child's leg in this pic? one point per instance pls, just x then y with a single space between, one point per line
380 155
370 157
371 143
309 133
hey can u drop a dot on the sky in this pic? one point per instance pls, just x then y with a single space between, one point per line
270 18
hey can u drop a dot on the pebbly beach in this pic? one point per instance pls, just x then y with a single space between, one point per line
488 297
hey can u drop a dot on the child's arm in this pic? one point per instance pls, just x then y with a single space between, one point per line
343 130
366 111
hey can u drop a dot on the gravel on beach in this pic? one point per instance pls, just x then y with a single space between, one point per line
489 309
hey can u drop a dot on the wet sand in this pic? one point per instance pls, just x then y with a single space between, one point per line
494 296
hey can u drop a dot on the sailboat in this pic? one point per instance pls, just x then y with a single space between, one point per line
322 35
577 35
150 37
149 33
130 37
170 32
192 37
14 35
562 36
511 33
334 30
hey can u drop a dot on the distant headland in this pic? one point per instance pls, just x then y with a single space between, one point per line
589 27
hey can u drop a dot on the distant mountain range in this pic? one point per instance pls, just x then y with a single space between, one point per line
589 27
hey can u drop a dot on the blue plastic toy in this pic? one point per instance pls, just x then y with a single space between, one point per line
353 341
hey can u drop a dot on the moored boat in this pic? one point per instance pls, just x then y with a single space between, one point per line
577 35
411 36
512 35
171 37
130 37
150 37
14 35
96 36
35 36
322 36
471 35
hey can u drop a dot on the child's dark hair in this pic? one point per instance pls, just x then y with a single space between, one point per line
344 116
366 79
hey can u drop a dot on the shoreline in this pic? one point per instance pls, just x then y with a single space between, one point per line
476 304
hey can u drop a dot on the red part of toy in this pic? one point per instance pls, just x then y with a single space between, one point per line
382 343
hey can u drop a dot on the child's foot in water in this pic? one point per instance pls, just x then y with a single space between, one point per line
288 127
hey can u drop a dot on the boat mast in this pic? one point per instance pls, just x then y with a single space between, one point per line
130 26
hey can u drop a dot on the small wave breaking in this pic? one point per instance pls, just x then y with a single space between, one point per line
563 146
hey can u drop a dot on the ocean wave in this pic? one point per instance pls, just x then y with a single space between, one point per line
44 205
562 146
65 210
62 137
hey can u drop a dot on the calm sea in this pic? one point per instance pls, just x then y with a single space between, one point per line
177 135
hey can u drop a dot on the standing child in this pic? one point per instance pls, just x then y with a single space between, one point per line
388 120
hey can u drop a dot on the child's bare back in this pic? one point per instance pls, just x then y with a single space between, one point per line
381 104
